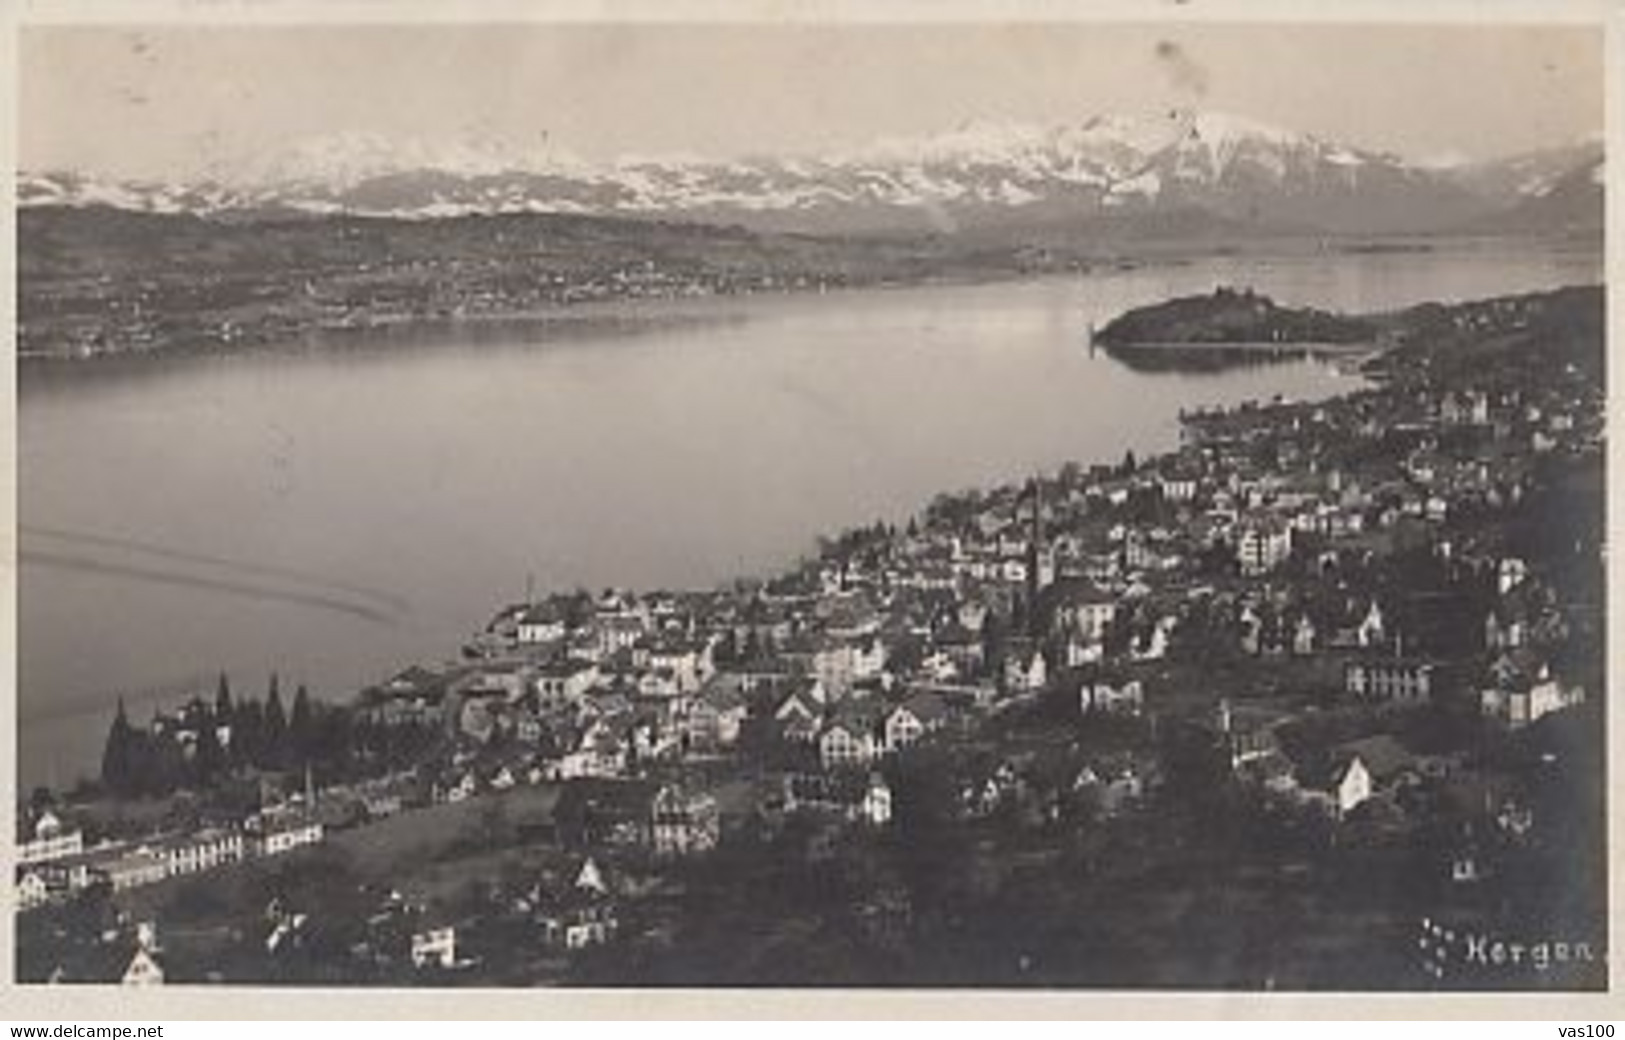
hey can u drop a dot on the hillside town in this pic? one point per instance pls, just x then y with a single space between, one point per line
1312 702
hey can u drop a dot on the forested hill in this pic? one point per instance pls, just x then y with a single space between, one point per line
1232 316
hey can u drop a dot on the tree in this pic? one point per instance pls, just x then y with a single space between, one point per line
210 760
223 710
1021 618
993 637
274 732
161 765
301 729
118 754
247 726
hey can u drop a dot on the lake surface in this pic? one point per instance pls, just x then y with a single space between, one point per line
336 513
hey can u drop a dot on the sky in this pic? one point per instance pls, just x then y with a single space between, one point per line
171 101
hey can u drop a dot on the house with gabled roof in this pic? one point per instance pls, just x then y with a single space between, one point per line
801 709
122 958
1367 768
34 887
850 737
1521 689
919 713
576 915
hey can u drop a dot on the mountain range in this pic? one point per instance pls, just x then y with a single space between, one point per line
1178 172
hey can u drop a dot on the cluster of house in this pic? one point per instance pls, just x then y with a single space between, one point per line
125 954
74 319
565 912
55 862
1379 782
892 635
569 913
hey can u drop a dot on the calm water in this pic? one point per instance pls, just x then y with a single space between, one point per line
336 514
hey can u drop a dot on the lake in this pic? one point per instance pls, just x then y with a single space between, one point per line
336 512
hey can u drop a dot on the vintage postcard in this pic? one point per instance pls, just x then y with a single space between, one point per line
1073 504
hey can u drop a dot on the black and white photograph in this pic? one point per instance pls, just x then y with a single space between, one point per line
758 502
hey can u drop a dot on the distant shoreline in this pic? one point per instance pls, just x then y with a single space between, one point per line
288 320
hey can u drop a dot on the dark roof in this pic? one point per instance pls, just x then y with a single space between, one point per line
925 706
1383 756
857 716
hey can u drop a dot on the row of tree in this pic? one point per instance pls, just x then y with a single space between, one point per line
203 742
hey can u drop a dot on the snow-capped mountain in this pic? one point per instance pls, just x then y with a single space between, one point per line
72 189
1569 201
984 174
1528 175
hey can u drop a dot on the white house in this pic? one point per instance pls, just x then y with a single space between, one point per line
1089 611
435 947
282 830
1352 785
33 889
849 740
876 808
687 661
1517 704
1263 543
840 663
1370 632
1369 767
204 850
1510 573
1398 681
920 714
144 968
52 839
1104 698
